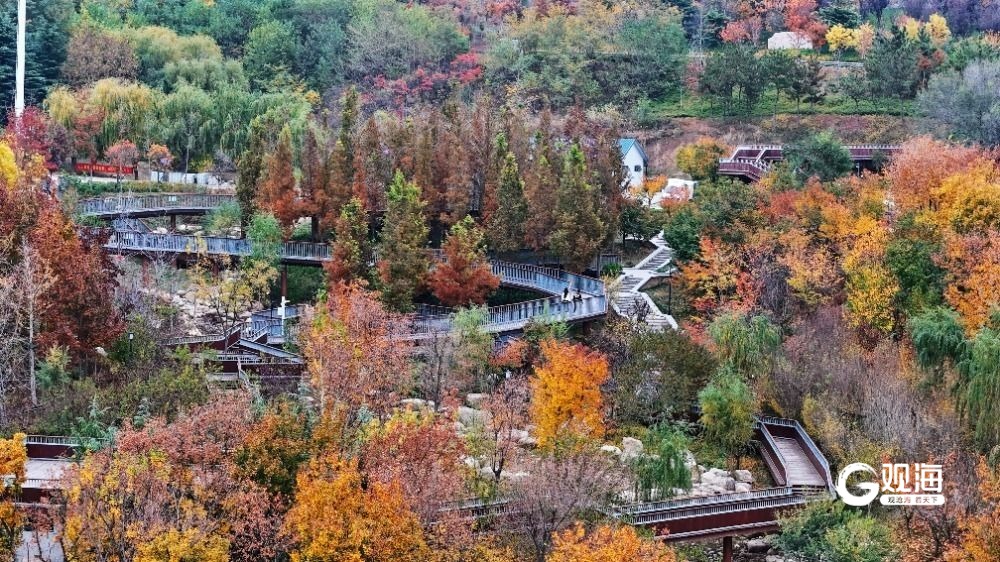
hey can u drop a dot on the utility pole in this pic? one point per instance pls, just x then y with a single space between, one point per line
22 17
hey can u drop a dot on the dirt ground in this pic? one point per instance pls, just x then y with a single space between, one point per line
661 143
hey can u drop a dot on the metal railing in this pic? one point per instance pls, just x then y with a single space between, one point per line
152 204
687 503
52 440
772 455
786 500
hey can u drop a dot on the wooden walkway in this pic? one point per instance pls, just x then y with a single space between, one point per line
753 162
799 469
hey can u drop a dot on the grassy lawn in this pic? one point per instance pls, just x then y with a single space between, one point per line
701 106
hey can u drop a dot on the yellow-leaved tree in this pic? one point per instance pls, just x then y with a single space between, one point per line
335 520
937 29
607 544
13 458
566 392
841 38
189 545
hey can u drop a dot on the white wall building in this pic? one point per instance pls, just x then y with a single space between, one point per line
789 40
634 161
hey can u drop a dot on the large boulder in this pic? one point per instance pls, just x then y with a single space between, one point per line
471 416
631 447
474 400
757 546
417 404
743 476
611 450
742 487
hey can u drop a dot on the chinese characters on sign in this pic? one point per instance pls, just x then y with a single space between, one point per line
901 484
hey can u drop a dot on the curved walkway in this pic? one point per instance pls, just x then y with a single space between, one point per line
128 237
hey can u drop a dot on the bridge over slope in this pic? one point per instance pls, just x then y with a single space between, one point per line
128 237
800 471
801 474
753 162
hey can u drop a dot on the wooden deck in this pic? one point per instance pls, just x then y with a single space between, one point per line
800 470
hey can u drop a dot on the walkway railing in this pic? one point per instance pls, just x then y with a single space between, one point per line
753 161
152 204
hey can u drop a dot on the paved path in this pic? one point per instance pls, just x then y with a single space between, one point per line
630 297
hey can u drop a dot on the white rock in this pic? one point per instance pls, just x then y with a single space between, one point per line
471 416
742 487
518 435
471 462
417 403
729 484
631 447
474 400
743 476
611 449
513 475
757 546
773 558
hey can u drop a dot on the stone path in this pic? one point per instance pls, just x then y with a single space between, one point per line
630 298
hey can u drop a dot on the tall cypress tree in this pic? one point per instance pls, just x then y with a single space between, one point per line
403 261
506 224
577 235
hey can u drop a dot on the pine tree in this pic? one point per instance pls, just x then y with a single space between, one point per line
403 260
506 224
315 185
577 218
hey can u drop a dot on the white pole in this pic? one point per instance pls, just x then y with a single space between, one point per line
22 17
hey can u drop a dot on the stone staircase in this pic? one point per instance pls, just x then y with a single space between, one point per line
630 301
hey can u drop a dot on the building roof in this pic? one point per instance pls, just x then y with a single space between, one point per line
626 144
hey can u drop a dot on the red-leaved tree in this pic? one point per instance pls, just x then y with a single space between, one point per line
465 276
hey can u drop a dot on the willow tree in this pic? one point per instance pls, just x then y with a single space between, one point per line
727 410
938 339
979 394
747 345
663 470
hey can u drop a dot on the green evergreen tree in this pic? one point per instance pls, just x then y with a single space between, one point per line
578 223
403 260
506 224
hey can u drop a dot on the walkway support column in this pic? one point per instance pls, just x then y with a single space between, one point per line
284 282
173 223
727 549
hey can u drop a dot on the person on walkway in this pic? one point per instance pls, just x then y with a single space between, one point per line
577 298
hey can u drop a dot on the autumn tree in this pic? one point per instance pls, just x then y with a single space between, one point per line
607 544
560 488
94 53
13 458
351 248
566 392
507 409
402 257
335 519
579 231
421 453
160 159
278 193
354 350
700 159
979 541
541 185
465 276
122 154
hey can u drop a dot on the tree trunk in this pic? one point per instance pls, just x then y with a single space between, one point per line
32 380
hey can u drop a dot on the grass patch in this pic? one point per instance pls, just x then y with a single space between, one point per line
701 106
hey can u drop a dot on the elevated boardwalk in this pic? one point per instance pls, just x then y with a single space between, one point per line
753 162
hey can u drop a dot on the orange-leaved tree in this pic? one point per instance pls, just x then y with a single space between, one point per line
700 159
981 531
465 276
333 519
422 453
607 544
355 349
13 458
278 193
566 392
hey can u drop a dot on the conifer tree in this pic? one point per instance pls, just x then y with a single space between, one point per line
403 261
506 225
277 192
577 217
350 247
